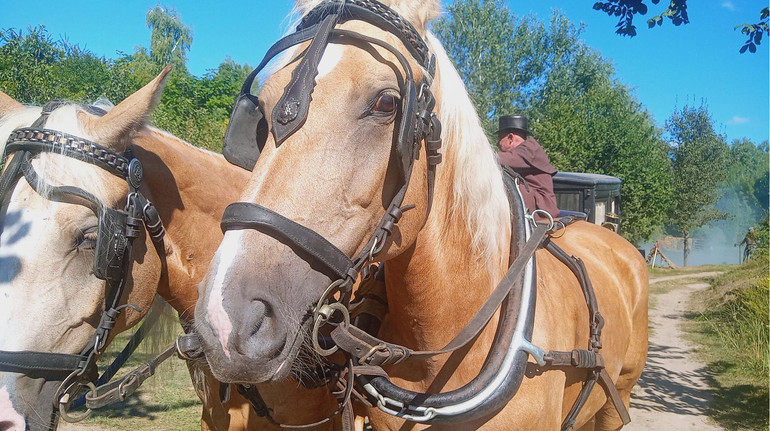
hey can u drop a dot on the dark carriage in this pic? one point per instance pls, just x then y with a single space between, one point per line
596 195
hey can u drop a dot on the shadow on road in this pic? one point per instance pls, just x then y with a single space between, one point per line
666 390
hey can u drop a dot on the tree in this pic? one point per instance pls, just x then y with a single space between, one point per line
676 12
699 164
170 39
36 69
499 56
585 120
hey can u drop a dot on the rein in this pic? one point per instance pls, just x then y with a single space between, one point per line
112 261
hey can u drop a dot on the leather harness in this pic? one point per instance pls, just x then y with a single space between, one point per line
245 138
112 262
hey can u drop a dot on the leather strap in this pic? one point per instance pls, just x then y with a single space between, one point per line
118 390
372 351
52 366
585 359
291 110
245 215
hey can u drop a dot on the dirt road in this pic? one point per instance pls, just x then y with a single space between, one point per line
672 393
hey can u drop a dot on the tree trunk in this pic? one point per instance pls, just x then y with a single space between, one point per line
686 260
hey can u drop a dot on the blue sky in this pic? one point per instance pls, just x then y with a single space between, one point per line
666 67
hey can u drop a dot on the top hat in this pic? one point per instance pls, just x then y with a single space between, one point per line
513 123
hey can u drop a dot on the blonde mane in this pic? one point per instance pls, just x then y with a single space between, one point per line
479 193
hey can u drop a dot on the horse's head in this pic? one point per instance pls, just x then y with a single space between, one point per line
343 173
64 252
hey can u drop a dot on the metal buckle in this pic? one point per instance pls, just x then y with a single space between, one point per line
363 360
323 315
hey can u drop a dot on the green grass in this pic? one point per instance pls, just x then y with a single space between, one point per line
731 324
665 271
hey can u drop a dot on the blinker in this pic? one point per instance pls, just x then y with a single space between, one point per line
111 244
246 132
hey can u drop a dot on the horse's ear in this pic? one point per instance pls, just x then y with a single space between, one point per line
8 104
118 123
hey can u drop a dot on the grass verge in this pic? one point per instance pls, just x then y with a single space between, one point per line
731 325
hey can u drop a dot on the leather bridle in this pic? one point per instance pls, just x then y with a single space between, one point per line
112 261
417 124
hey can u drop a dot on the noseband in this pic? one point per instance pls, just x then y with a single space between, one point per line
112 260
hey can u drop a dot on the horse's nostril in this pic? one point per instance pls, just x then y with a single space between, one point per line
260 310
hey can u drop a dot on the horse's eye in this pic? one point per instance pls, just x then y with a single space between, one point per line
386 103
87 239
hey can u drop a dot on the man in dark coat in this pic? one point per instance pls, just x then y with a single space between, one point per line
525 155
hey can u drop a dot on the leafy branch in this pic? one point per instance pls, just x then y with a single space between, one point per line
676 12
754 31
625 10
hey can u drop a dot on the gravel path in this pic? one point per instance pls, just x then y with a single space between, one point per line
673 393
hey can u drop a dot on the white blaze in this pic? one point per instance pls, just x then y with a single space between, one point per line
215 310
332 56
17 245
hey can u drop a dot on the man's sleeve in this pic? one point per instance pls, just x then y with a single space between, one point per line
513 159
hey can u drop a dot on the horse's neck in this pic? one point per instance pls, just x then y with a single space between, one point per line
190 188
435 288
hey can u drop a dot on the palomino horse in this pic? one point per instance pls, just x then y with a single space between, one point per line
349 167
52 302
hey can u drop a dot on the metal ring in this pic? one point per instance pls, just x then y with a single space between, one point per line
316 346
332 287
323 315
65 400
562 229
545 214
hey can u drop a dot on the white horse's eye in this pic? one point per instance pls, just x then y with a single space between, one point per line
86 240
386 103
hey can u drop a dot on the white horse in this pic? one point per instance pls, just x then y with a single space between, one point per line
51 301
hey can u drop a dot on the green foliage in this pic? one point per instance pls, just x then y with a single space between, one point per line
495 53
585 120
170 39
626 9
35 69
676 12
736 330
754 32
